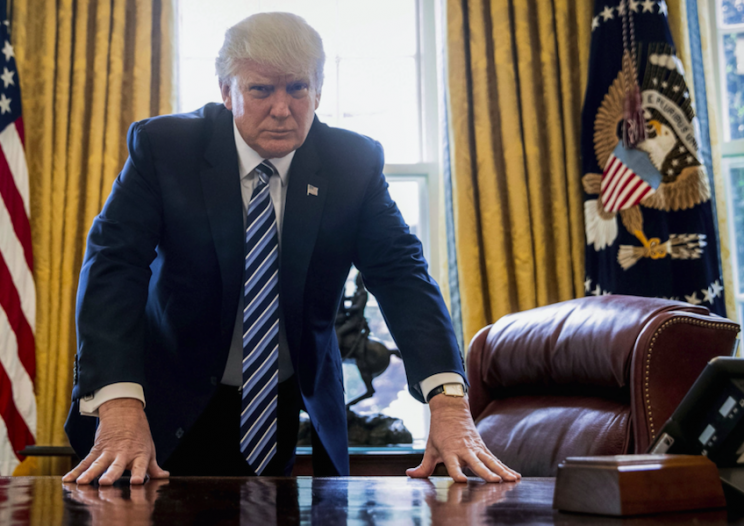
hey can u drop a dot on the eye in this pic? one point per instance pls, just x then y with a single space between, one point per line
297 89
260 90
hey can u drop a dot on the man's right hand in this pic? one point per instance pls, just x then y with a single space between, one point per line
123 441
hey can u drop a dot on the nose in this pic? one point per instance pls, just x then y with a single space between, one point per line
280 105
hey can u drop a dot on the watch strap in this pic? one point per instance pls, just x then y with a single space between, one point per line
441 389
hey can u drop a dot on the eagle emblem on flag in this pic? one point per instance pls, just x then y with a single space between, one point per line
664 172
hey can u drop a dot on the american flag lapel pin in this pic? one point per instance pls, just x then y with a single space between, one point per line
312 190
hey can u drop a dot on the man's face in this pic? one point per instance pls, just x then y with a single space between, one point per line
272 110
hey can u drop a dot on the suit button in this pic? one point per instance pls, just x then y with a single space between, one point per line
179 432
213 379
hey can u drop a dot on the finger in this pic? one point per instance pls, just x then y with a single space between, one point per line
455 494
114 472
139 470
100 465
495 465
480 469
155 471
452 463
153 486
138 495
425 469
111 495
80 468
84 494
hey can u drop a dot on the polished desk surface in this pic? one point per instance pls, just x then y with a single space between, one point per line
303 500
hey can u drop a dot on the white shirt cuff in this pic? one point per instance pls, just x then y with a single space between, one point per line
89 404
435 380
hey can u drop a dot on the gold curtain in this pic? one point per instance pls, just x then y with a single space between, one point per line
516 77
88 68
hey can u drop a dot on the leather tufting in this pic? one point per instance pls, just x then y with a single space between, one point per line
597 375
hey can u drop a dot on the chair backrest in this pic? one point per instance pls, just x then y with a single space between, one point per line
596 375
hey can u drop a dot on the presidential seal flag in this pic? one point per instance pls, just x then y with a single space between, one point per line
649 216
17 289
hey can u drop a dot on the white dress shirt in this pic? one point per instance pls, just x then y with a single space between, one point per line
248 160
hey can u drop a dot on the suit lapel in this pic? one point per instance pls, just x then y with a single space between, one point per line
303 209
220 180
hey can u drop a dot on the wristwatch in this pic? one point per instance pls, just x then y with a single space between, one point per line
454 390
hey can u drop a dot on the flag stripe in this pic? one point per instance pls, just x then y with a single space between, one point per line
613 179
609 174
10 304
622 176
637 196
20 274
8 462
628 189
21 130
18 433
14 204
22 386
12 147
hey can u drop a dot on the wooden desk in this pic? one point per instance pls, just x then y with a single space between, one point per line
325 501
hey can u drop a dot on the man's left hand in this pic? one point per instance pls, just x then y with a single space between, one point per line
454 441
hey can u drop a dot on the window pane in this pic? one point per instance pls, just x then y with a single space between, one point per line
732 11
379 98
736 175
733 49
198 86
377 29
406 196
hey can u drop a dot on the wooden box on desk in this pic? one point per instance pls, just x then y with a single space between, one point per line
637 484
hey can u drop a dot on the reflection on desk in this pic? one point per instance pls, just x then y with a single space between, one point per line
303 500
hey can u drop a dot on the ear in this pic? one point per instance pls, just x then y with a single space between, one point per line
225 91
317 99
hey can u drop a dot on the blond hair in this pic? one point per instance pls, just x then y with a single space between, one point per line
282 40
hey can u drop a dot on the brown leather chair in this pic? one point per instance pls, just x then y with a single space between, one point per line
590 376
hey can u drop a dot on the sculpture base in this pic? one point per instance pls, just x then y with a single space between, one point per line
637 484
365 430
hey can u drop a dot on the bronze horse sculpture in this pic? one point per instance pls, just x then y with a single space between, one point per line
372 358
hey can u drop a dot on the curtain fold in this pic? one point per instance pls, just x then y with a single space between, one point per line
516 72
88 69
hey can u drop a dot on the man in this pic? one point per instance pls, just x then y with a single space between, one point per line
253 208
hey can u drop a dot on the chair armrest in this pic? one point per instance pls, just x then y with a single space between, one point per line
670 353
478 394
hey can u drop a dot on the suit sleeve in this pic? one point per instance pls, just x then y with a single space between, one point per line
393 267
114 279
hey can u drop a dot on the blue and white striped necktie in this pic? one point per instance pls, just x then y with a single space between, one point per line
260 327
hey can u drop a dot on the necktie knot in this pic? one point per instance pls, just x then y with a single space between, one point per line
264 171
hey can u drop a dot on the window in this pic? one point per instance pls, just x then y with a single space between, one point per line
380 80
728 17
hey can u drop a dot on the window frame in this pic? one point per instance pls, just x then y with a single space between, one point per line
430 166
732 151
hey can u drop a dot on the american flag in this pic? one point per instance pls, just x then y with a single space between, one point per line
17 290
628 178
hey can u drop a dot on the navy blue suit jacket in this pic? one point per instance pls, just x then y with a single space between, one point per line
160 283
